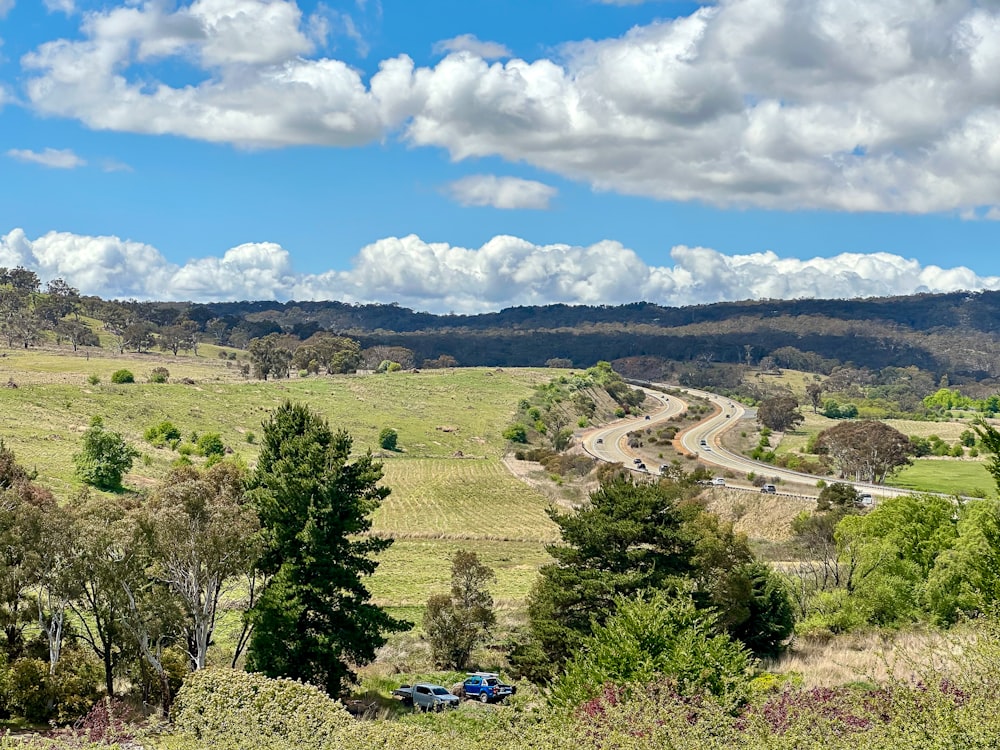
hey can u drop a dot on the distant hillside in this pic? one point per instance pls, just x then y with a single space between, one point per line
957 334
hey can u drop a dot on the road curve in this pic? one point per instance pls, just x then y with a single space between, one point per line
610 443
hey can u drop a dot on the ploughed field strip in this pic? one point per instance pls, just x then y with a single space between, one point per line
467 499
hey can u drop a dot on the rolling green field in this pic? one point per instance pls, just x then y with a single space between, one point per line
449 488
963 477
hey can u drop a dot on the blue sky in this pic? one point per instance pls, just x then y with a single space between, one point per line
459 156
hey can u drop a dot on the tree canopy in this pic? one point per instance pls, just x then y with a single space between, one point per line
779 413
633 537
866 450
314 618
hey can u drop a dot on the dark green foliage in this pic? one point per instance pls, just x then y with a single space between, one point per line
161 434
120 377
651 639
210 445
635 537
314 617
838 494
104 457
770 617
516 433
159 375
387 438
628 538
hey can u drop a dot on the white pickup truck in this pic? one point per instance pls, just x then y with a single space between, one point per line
426 696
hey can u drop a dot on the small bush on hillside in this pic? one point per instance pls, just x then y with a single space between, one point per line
210 444
94 379
120 377
104 457
388 439
161 434
159 375
516 433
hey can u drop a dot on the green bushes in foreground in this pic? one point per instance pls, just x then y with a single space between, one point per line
955 708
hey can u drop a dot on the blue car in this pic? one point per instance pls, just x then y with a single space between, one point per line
486 687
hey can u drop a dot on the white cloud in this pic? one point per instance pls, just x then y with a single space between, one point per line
61 6
113 165
470 43
5 7
506 271
501 192
50 157
855 106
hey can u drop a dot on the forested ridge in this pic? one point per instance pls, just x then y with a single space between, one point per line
955 333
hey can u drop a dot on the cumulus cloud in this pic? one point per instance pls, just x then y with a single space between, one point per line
501 192
861 106
50 157
506 271
5 7
470 43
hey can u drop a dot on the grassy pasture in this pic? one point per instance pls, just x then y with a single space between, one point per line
952 477
449 488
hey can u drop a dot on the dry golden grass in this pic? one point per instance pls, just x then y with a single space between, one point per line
873 657
761 517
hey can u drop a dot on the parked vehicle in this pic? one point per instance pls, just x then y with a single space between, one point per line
768 489
640 466
865 500
426 696
600 441
637 461
486 687
719 482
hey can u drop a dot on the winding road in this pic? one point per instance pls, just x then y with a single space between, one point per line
610 443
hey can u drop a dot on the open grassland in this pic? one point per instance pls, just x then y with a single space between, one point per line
461 499
414 569
450 490
950 476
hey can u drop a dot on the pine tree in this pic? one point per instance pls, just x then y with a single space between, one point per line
314 616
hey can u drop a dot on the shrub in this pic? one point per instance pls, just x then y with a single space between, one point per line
216 703
75 684
656 637
210 444
250 437
94 379
388 438
30 690
120 377
159 375
161 434
516 433
104 458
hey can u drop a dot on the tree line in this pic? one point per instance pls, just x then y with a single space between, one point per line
139 580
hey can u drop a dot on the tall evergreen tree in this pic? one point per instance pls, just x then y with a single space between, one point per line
314 616
637 537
